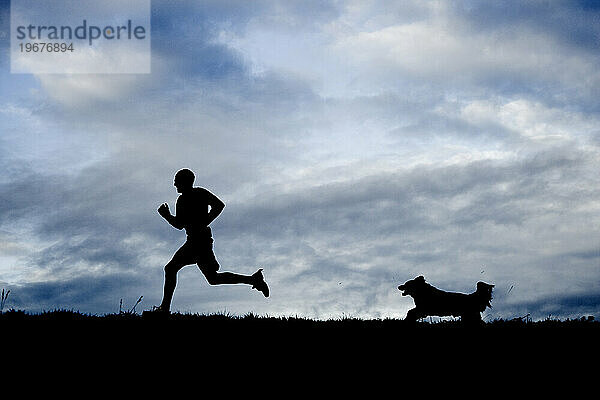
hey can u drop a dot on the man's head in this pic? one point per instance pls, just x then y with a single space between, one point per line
184 180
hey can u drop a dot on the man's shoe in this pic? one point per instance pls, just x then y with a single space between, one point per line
259 283
157 312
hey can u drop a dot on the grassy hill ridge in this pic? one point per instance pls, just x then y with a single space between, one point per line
253 320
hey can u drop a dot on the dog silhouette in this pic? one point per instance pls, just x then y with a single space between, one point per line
430 301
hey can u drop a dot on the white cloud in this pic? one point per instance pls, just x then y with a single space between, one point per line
84 90
369 48
443 50
531 119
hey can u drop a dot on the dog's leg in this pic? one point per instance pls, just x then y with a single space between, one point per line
471 319
413 315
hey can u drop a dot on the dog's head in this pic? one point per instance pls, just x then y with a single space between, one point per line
413 287
484 293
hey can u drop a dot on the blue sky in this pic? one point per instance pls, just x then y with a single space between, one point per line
357 144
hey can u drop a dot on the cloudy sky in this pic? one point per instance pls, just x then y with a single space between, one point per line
357 144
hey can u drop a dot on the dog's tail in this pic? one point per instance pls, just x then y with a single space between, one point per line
484 295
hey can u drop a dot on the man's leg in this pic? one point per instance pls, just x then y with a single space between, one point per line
180 259
223 278
171 270
208 264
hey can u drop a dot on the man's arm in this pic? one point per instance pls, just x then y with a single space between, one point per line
216 207
164 212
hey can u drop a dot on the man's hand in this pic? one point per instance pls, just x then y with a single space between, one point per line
163 210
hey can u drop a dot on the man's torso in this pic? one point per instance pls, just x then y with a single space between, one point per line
192 207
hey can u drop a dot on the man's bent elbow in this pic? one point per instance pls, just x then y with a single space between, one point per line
218 205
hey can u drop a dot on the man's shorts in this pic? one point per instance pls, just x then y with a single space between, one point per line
197 251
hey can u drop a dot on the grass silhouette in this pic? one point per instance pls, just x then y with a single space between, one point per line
294 342
252 320
3 298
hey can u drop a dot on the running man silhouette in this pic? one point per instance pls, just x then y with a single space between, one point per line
196 208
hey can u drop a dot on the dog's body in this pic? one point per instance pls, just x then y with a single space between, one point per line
430 301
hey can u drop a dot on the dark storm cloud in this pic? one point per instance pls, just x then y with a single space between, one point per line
592 255
380 204
573 22
429 125
574 305
555 306
186 32
96 218
572 25
94 294
177 31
